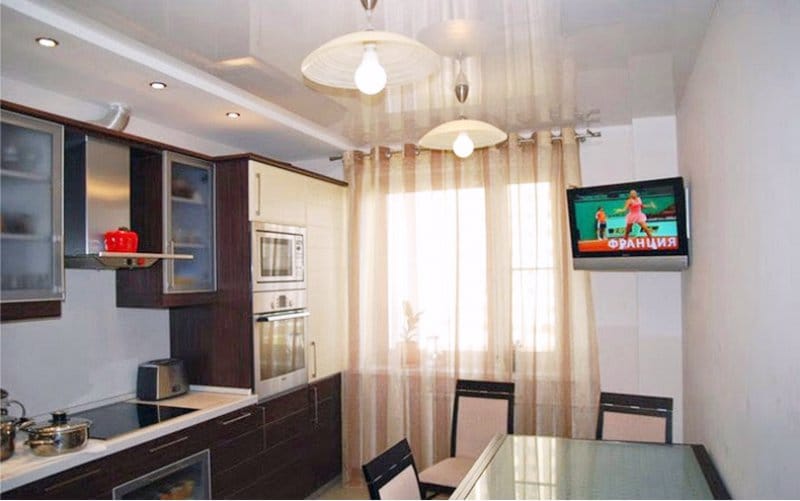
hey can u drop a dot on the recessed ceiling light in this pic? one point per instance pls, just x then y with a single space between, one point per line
47 42
158 85
232 114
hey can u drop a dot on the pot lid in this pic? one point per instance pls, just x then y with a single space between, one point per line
58 424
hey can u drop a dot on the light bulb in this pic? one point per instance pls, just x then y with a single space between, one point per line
370 77
463 145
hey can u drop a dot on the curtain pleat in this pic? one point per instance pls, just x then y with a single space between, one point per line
461 268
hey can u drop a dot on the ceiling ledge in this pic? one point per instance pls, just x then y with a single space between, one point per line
100 35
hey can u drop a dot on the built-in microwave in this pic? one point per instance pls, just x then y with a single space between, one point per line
278 257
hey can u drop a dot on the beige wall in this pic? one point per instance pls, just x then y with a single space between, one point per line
739 148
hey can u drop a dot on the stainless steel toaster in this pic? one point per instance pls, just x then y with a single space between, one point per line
159 379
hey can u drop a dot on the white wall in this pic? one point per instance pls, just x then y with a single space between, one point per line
88 354
324 166
638 314
738 147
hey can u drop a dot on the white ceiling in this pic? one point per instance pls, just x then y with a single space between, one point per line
531 64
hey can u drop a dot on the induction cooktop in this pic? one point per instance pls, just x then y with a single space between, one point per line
117 419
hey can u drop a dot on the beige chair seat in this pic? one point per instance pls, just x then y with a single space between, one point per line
448 472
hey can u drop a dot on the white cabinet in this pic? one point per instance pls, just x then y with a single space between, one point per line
280 196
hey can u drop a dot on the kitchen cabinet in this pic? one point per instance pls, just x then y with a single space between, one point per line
280 196
31 217
97 479
173 209
283 448
189 224
302 447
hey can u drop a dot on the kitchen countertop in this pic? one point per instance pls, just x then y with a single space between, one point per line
25 467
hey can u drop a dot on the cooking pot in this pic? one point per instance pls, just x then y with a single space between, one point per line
8 431
57 436
8 424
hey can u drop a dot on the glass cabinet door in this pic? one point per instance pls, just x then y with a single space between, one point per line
189 224
31 264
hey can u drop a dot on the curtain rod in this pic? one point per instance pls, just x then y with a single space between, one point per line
523 140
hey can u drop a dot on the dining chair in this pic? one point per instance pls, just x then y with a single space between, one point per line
481 410
393 474
634 418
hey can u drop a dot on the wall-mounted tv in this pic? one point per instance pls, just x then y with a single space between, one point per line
641 225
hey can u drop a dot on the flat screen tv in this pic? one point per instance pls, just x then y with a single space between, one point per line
641 225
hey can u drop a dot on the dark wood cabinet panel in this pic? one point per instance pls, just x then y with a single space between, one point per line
24 311
90 481
216 339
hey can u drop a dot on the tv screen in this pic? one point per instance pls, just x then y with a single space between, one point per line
639 225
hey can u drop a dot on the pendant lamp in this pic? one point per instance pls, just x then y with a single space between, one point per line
462 135
369 60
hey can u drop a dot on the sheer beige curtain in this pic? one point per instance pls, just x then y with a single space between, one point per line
461 269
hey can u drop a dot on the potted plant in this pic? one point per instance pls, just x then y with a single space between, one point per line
409 343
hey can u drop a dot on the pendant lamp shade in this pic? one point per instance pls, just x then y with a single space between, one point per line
481 133
403 59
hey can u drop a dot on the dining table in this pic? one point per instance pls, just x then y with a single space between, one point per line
541 467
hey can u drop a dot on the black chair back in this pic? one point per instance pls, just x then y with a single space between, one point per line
482 389
383 469
642 405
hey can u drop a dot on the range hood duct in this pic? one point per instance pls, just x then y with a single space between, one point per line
97 200
117 117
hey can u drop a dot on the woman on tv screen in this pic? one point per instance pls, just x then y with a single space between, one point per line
634 206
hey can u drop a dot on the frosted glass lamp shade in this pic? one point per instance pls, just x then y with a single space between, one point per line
444 136
404 59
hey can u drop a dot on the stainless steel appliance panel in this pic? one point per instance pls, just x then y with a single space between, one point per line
278 257
279 359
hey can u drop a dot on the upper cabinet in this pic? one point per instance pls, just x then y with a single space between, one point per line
189 226
31 227
173 204
276 195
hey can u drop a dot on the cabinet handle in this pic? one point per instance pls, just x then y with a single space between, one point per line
71 480
168 444
316 404
314 371
233 420
258 196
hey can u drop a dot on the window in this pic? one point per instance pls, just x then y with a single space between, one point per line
438 265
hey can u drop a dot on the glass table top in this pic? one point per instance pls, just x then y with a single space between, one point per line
533 467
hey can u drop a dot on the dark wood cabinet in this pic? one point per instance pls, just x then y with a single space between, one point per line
215 340
93 480
302 447
145 288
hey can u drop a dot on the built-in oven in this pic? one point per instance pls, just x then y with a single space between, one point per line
279 331
278 257
187 478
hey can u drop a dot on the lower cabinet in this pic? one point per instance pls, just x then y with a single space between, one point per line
302 447
284 448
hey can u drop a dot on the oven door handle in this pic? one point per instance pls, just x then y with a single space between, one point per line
287 316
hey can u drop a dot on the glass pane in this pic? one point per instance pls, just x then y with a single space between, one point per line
192 227
276 257
533 467
282 346
26 214
186 479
